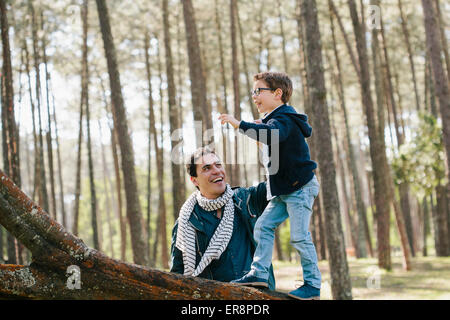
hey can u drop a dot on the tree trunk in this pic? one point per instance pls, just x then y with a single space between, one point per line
410 55
441 80
355 174
403 188
236 94
426 226
443 36
198 83
226 138
107 185
65 261
122 218
115 154
11 159
440 223
60 179
138 236
36 162
347 41
40 150
49 132
181 116
76 210
85 101
178 198
283 37
377 149
162 225
248 87
159 155
317 208
340 278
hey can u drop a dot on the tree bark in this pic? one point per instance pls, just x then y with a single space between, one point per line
40 150
377 149
340 278
440 223
441 24
49 132
226 138
196 72
162 217
115 155
138 236
108 188
425 225
58 157
440 79
410 55
76 207
159 155
355 174
404 187
236 92
178 199
85 101
317 208
54 250
347 41
11 159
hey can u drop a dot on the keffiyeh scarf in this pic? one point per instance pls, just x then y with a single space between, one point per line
186 238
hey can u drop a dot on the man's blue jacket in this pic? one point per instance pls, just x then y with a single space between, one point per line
235 261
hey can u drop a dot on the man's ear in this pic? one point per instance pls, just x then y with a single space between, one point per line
194 181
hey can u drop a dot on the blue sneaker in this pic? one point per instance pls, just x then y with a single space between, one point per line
305 292
250 280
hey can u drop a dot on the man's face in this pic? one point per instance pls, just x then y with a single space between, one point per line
266 100
210 177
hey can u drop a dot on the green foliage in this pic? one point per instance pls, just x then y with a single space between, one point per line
420 162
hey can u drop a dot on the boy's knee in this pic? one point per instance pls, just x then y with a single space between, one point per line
261 229
300 238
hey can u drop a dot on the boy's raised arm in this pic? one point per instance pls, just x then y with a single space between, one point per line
276 128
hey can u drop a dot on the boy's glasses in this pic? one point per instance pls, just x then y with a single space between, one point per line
257 91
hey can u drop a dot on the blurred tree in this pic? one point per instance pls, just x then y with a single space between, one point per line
421 164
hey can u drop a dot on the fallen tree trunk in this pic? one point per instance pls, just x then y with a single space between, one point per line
63 267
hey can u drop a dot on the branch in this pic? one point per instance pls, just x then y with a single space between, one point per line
54 250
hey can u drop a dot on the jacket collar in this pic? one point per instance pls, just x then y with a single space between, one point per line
281 108
194 220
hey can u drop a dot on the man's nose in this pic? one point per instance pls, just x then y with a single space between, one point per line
215 169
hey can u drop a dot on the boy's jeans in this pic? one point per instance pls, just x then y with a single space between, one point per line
298 207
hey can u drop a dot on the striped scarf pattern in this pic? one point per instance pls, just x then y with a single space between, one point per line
186 238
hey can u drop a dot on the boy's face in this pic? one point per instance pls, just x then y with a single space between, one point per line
267 100
210 177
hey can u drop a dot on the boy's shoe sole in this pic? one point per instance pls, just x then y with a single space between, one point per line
298 298
253 284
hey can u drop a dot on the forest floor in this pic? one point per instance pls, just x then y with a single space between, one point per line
429 279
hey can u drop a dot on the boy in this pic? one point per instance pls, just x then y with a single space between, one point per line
293 186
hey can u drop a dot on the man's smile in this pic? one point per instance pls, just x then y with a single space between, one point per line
217 180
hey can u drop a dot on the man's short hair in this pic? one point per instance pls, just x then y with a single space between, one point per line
277 80
191 166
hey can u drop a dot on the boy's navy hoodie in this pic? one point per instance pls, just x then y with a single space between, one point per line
295 168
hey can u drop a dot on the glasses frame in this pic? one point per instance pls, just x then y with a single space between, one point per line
257 91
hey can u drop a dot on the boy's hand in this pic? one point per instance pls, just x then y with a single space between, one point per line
257 121
224 118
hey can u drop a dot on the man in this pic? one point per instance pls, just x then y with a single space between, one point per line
213 236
